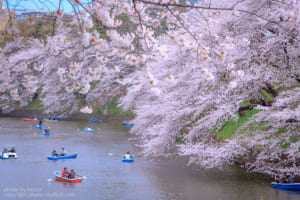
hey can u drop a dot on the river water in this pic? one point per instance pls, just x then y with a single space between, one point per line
99 160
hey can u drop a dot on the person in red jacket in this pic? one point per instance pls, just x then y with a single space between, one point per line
65 172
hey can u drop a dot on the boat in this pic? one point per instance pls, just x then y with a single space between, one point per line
47 134
38 127
88 130
126 159
286 186
94 120
127 124
58 177
8 155
74 155
51 120
30 120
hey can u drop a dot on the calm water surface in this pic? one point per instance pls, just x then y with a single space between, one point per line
99 159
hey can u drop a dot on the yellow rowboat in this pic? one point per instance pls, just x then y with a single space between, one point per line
50 120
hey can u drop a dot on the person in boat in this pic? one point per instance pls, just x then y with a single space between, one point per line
12 150
40 123
46 130
5 150
64 152
290 179
72 174
128 155
277 178
54 153
65 172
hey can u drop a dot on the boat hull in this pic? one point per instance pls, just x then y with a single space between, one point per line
39 127
127 124
58 177
62 157
30 120
88 130
286 186
61 179
50 120
94 120
131 159
127 160
8 155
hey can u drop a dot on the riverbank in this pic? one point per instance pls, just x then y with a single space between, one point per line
39 114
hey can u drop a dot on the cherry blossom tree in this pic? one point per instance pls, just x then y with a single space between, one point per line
185 67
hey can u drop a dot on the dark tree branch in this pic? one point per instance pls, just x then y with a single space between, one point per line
77 16
55 18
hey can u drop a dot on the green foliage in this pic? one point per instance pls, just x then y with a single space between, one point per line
179 139
231 127
112 108
94 84
262 126
260 147
247 103
298 148
35 104
294 138
281 130
267 95
284 88
283 144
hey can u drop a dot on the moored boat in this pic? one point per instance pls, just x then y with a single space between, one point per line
127 124
94 120
30 120
286 186
74 155
58 177
128 159
8 155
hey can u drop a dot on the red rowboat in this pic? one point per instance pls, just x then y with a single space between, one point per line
30 120
58 177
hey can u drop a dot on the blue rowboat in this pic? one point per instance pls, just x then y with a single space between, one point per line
127 124
74 155
39 127
53 118
88 130
47 134
94 120
286 186
128 159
